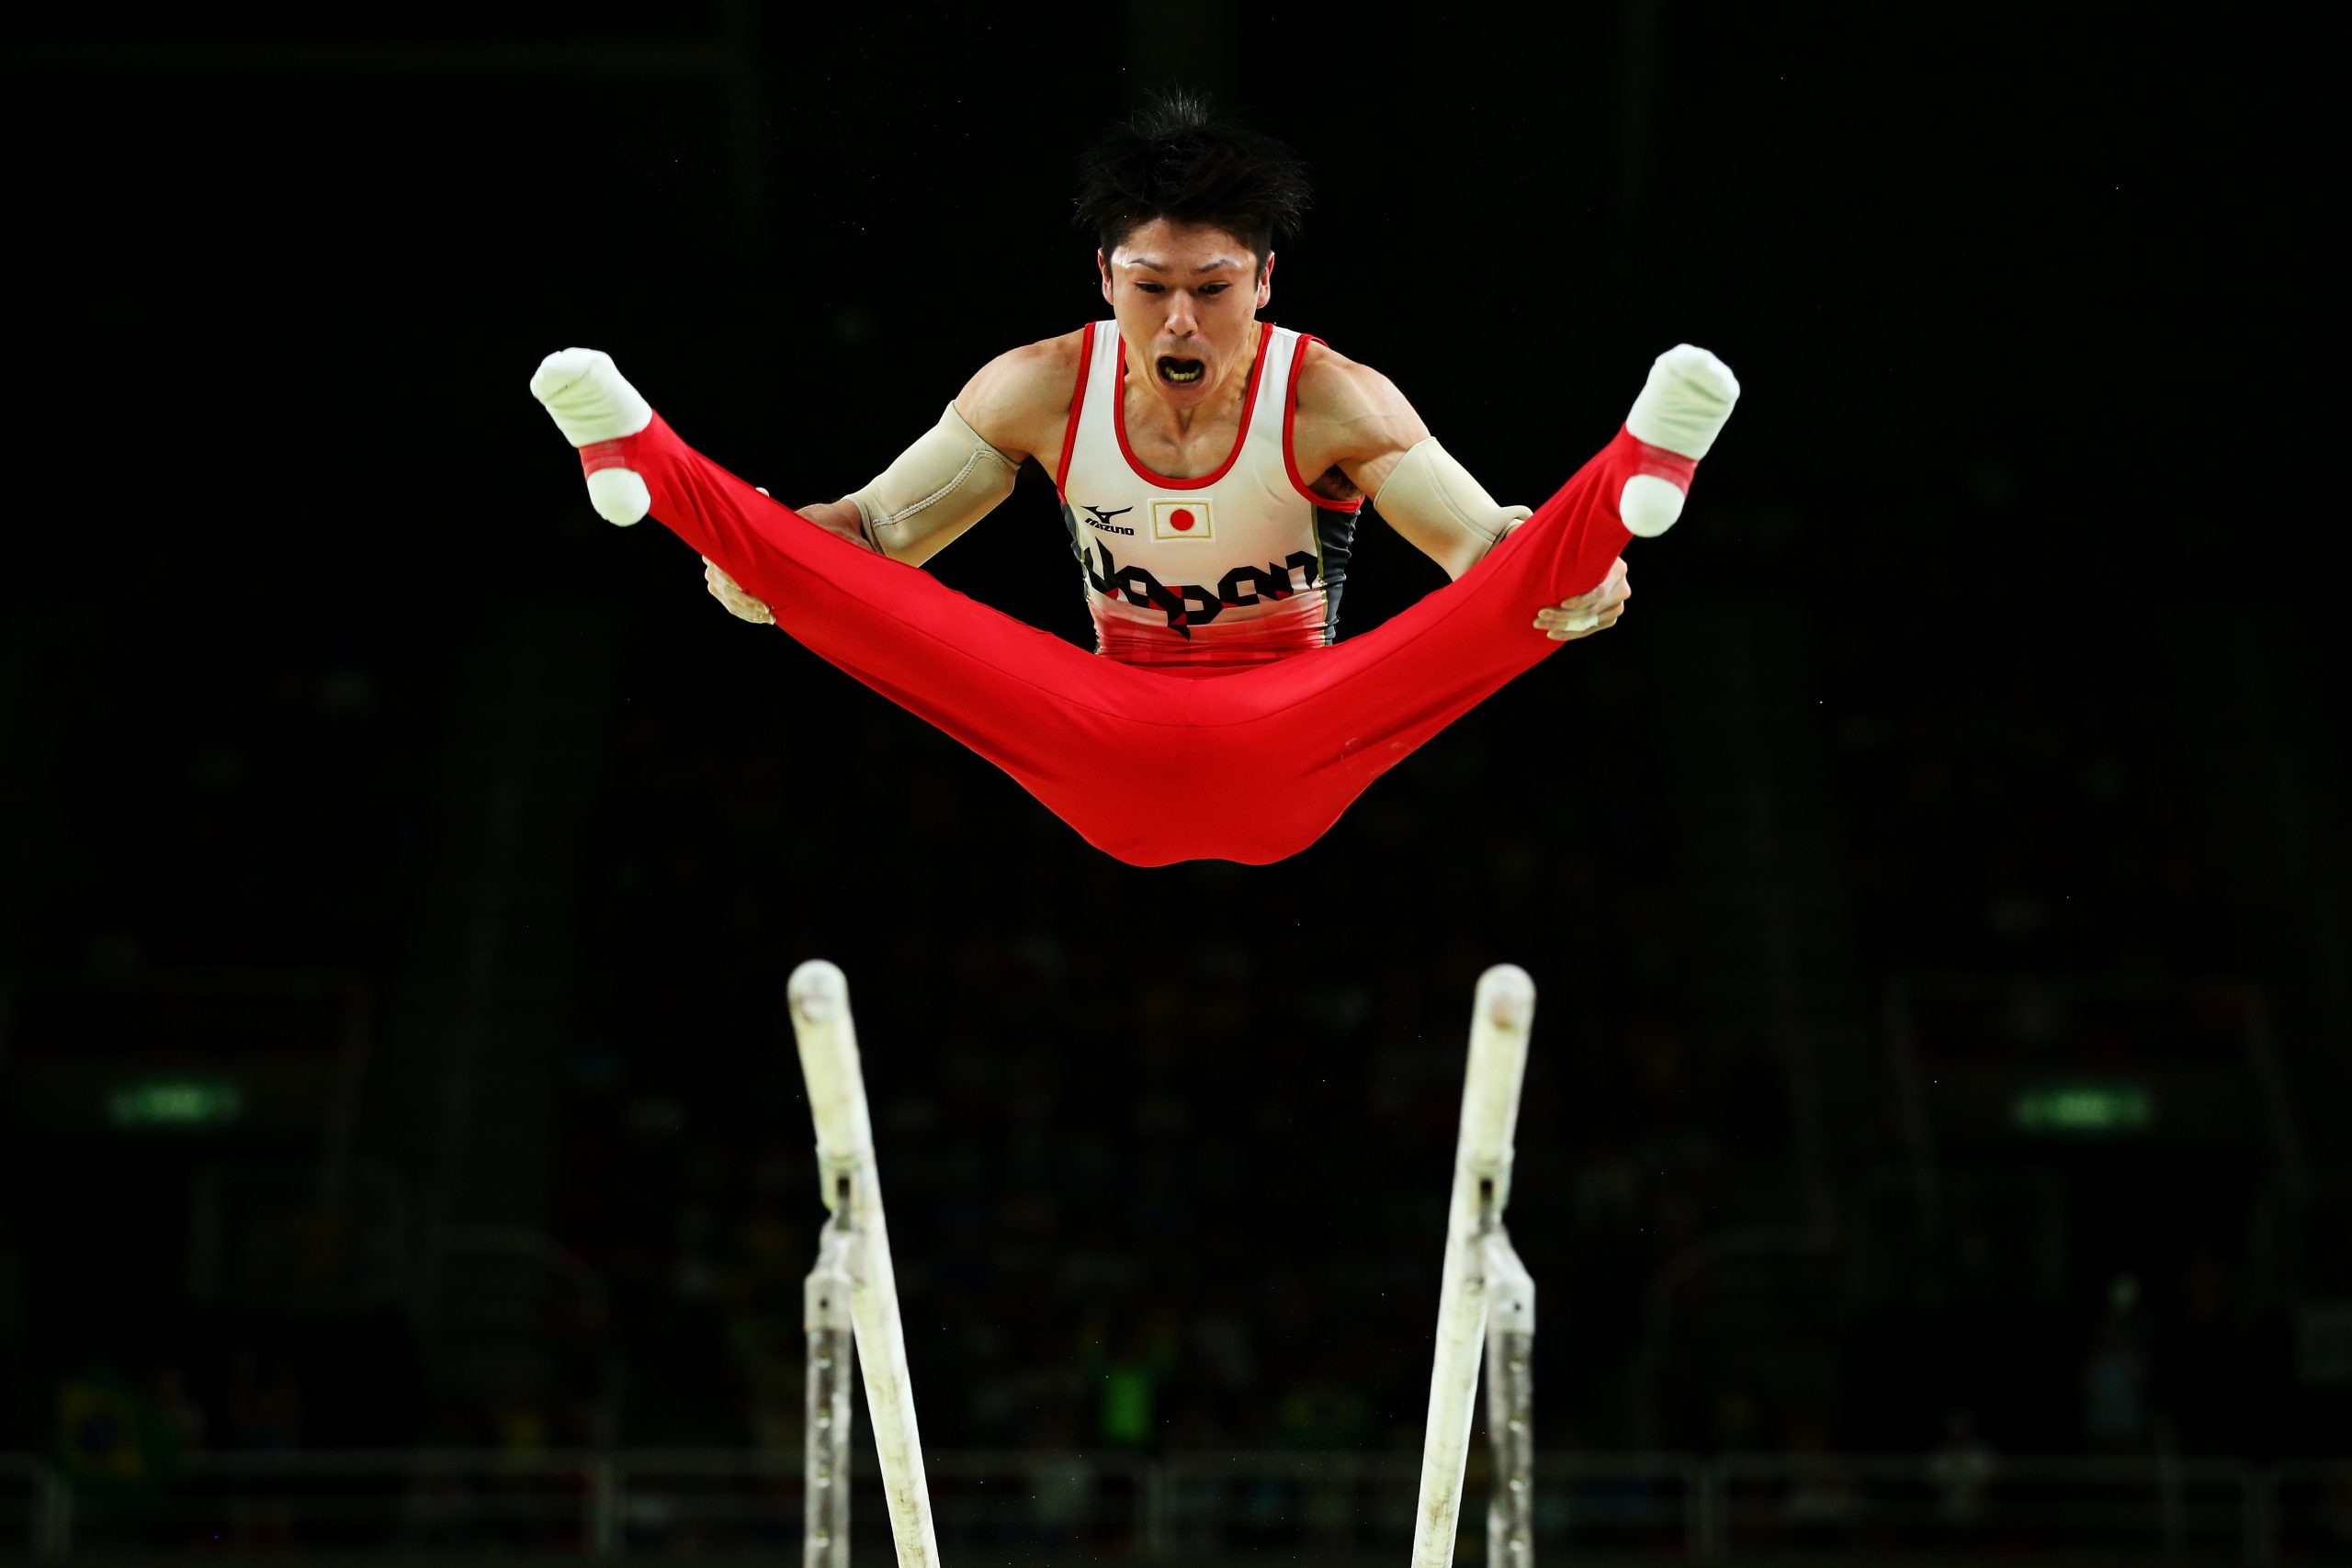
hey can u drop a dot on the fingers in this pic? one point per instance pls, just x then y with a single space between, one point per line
1583 627
1615 588
741 606
727 591
1586 614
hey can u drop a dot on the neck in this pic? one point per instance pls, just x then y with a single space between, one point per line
1226 395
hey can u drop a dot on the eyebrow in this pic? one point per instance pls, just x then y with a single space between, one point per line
1220 264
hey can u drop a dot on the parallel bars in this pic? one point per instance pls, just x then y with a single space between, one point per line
1486 1302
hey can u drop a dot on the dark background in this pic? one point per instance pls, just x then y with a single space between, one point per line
1977 732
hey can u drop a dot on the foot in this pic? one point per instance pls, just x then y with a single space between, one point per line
590 403
1681 409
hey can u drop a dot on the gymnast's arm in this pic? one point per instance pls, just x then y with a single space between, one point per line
957 473
1353 418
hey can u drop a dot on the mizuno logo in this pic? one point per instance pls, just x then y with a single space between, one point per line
1102 519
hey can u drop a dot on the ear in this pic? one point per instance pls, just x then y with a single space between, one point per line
1266 281
1103 267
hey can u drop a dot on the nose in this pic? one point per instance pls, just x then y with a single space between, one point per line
1180 319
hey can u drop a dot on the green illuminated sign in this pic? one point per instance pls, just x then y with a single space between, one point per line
174 1102
2085 1107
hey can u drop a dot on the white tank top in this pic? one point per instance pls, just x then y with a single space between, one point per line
1241 566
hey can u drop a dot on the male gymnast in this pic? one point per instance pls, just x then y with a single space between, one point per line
1211 468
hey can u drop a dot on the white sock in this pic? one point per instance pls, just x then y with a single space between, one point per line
1685 403
590 400
1682 408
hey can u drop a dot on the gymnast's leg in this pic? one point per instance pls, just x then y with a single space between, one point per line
1050 714
1416 673
1329 722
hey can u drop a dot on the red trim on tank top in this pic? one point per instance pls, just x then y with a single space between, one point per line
1076 406
1250 407
1290 418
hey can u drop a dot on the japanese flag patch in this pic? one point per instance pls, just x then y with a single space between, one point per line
1181 520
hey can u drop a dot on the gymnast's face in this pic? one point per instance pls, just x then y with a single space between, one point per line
1187 298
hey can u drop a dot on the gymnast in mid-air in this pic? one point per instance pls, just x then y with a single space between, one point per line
1211 467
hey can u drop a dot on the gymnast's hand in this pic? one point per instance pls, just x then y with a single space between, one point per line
729 592
1584 614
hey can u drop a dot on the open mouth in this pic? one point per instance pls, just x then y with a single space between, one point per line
1180 372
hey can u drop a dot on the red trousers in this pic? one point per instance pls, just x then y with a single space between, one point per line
1153 766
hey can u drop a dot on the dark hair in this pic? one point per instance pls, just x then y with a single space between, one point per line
1175 159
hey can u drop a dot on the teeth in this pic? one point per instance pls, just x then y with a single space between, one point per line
1189 371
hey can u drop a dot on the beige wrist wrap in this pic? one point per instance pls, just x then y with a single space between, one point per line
1432 501
937 488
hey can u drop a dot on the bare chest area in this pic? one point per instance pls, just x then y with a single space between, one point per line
1165 444
1158 441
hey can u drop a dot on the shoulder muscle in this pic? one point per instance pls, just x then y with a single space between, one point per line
1352 416
1019 401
